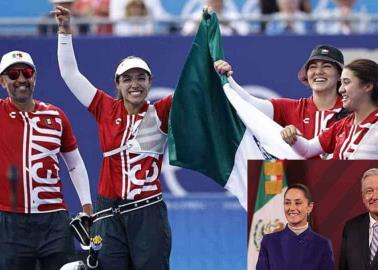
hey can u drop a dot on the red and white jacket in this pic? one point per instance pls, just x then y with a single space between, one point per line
30 142
133 146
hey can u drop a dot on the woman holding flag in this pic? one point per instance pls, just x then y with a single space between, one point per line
311 115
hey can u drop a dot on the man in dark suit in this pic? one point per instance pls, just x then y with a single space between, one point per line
360 236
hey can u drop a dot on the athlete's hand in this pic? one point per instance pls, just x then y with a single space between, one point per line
222 67
289 134
88 209
62 17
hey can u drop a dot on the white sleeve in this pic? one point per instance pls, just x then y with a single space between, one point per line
78 174
263 105
308 148
83 90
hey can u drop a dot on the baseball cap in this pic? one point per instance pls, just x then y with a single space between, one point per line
322 52
15 57
129 63
61 1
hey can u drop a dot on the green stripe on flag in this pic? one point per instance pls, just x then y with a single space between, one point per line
204 129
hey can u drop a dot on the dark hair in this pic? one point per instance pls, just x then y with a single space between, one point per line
366 71
339 70
306 191
337 67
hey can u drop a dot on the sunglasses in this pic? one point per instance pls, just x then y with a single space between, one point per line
14 73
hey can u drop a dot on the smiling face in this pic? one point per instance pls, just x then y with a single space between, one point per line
322 76
297 207
355 95
20 89
133 85
370 194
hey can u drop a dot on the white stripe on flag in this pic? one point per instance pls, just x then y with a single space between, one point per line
270 215
237 182
261 126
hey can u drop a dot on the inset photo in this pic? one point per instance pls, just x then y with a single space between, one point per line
312 214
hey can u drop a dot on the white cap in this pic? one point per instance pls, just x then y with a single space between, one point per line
61 1
15 57
129 63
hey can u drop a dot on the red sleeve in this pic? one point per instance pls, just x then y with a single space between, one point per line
163 106
328 137
68 140
100 105
283 110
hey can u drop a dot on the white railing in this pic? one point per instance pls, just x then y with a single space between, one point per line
28 26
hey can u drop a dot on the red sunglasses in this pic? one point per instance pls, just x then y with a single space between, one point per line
14 73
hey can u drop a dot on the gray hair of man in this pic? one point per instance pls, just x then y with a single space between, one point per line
370 172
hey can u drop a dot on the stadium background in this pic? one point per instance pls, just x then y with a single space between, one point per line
209 227
24 8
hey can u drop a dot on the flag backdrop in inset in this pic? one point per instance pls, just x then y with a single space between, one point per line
268 215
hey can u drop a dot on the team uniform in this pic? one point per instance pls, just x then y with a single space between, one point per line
33 217
304 115
131 217
133 148
132 172
349 141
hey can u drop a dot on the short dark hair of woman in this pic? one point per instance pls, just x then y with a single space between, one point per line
303 188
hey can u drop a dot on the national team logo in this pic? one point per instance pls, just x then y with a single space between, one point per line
17 55
324 51
118 121
48 121
263 227
12 115
306 120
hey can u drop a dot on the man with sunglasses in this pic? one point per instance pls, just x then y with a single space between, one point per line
34 223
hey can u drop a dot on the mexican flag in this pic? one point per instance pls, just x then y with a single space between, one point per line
268 215
206 133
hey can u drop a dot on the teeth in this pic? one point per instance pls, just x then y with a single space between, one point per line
320 80
135 93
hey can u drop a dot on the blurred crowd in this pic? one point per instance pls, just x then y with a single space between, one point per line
271 17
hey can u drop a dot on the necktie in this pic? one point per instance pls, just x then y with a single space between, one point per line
374 242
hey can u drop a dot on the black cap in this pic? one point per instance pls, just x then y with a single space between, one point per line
322 52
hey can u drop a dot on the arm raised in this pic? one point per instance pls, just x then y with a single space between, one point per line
79 85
